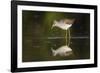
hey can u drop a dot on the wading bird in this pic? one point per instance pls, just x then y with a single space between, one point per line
64 24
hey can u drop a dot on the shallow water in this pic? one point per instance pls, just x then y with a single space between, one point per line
38 38
41 49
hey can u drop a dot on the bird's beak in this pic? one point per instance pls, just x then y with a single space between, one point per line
52 26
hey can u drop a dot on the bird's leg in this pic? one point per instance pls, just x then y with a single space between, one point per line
69 37
66 37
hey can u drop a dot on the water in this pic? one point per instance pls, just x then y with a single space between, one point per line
38 38
40 50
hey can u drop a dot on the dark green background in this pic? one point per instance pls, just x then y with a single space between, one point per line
36 34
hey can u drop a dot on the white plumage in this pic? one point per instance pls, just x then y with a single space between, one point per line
61 24
62 51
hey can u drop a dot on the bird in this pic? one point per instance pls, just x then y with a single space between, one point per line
63 24
62 51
